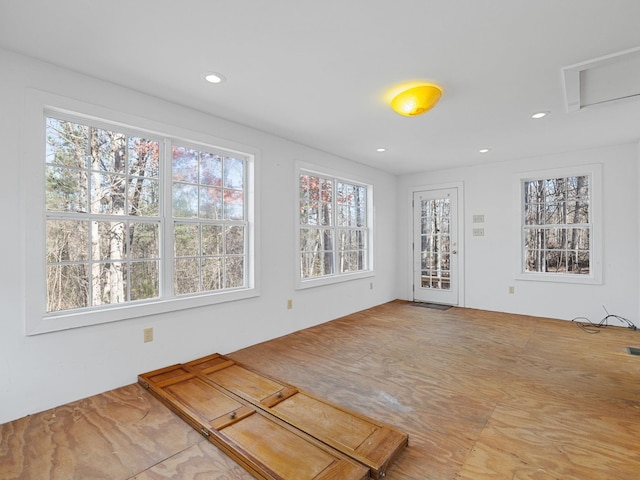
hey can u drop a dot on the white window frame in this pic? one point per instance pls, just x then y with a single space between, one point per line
594 172
38 106
334 278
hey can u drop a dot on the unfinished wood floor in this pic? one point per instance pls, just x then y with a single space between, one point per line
482 395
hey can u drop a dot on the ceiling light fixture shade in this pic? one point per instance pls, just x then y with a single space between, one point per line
416 100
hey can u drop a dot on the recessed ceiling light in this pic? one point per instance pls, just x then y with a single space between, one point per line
484 150
381 149
539 114
214 78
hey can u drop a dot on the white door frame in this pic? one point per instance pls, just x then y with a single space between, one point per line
461 260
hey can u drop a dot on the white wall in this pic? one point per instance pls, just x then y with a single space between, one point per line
43 371
489 261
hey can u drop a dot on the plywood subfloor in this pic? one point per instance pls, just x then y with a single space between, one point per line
482 396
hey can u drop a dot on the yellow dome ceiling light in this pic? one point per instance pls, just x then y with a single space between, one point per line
416 100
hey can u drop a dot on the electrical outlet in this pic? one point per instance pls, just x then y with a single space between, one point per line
478 219
478 232
148 335
289 304
512 289
371 286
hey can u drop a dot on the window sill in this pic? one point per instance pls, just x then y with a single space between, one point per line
560 278
332 279
68 320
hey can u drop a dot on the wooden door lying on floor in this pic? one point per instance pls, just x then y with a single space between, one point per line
265 447
364 439
273 429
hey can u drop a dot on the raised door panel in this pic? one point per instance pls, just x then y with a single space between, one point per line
287 455
325 421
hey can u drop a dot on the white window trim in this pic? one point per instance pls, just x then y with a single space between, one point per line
37 321
300 283
594 171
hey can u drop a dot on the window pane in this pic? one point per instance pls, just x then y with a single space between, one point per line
144 196
210 169
108 150
107 240
579 238
67 143
67 287
534 214
145 240
185 165
67 241
555 238
233 173
555 214
186 276
211 240
108 283
534 238
534 261
144 280
578 188
534 191
234 272
316 264
578 212
346 240
66 190
556 261
107 193
305 239
211 203
582 263
234 240
348 262
186 239
212 273
233 205
185 200
144 157
555 190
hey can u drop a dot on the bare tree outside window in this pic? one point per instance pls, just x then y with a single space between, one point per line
557 225
102 191
210 226
106 221
334 234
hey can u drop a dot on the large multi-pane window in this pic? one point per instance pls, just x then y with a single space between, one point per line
133 217
557 225
334 228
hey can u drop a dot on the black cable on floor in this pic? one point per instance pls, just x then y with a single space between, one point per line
590 327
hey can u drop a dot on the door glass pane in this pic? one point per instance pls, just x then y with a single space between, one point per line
435 243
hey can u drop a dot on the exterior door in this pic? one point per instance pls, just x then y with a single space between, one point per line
435 246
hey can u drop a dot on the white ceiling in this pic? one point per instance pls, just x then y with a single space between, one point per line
318 72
